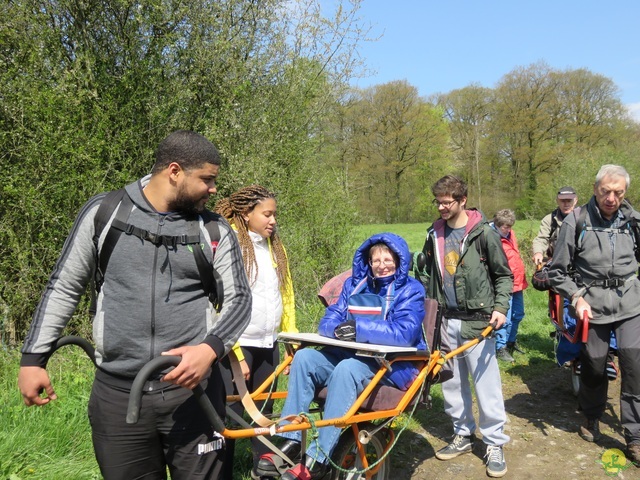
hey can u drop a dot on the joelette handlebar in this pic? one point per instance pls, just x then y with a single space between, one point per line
158 364
78 341
151 367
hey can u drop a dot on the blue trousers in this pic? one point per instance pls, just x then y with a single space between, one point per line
508 333
343 373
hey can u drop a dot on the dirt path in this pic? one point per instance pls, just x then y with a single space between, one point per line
542 423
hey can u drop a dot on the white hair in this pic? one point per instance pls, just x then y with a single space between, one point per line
613 171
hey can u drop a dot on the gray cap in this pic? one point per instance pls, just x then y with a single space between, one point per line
567 193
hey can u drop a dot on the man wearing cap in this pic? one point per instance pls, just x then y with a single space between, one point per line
605 286
544 243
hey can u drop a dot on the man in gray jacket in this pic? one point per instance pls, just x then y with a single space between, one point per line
152 301
605 285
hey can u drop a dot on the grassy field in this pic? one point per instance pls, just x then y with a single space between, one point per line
54 442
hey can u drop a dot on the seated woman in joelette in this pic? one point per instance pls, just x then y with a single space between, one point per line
381 304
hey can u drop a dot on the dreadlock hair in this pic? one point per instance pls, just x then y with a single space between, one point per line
233 208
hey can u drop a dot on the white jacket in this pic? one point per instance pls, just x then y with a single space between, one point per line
266 311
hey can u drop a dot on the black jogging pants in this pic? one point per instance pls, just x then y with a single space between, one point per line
172 432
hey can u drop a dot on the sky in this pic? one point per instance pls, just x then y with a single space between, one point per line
442 45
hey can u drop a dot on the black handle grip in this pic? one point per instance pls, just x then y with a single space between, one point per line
78 341
161 363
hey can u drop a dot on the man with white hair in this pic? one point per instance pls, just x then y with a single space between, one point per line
604 283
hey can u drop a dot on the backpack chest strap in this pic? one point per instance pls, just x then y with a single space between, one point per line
170 241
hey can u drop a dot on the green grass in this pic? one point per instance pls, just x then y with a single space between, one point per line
54 442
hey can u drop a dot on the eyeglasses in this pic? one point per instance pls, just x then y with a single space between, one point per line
448 204
385 263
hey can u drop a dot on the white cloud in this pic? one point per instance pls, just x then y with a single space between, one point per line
634 110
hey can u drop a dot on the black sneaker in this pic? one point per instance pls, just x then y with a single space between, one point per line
496 464
504 355
576 367
459 445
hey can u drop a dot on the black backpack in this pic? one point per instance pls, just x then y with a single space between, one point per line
211 280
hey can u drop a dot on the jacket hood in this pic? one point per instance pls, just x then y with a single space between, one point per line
396 244
475 217
135 192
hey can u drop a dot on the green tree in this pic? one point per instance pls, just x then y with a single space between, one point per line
468 112
89 88
389 135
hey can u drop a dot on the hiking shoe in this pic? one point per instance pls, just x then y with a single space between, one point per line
504 355
514 347
612 371
459 445
496 464
591 431
633 453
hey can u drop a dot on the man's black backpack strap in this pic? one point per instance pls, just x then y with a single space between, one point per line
105 210
553 232
582 227
635 229
211 280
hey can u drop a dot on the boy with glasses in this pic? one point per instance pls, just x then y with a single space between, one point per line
467 272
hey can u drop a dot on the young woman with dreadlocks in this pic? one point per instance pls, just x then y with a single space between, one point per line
251 211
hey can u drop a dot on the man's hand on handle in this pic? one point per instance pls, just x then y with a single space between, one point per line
581 306
196 362
537 258
497 320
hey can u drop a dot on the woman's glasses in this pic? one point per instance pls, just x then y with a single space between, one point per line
386 263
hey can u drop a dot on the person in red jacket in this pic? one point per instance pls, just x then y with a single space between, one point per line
506 345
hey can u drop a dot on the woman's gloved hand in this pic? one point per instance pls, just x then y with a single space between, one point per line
346 331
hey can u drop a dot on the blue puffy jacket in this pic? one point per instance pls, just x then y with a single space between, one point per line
403 323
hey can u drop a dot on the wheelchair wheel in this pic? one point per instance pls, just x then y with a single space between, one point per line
346 455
